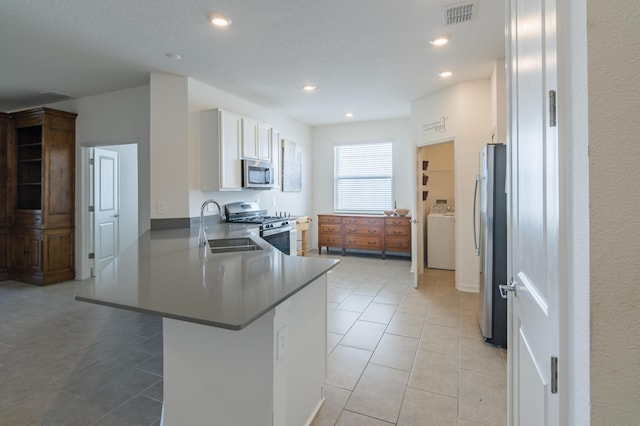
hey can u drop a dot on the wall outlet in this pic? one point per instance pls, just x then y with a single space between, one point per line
210 207
161 207
282 338
273 201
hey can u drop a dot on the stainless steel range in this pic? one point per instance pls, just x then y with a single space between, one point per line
276 230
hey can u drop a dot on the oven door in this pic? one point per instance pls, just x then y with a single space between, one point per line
280 238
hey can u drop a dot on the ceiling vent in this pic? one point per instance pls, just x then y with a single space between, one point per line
459 13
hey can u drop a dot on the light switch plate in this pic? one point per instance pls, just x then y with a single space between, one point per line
161 207
282 338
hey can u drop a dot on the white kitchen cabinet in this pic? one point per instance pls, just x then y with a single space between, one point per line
249 138
275 157
256 140
220 157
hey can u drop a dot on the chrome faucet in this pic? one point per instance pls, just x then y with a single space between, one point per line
202 234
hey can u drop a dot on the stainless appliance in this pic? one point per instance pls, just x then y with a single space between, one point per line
491 241
257 174
276 230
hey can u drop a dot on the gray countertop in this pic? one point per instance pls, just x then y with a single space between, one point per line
165 273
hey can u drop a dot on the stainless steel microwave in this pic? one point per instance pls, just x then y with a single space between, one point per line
257 174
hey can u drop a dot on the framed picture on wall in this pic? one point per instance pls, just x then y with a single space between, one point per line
291 166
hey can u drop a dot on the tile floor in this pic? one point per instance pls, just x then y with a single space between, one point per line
404 356
397 355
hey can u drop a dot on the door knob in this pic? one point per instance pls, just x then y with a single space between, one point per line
505 289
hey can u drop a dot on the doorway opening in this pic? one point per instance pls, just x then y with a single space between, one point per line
109 203
436 194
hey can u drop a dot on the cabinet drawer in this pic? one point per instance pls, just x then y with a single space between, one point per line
393 244
367 221
331 240
330 229
362 229
329 219
28 218
398 221
398 231
362 242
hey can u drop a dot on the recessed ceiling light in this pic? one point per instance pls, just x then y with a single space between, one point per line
309 87
173 56
219 20
445 74
349 115
439 41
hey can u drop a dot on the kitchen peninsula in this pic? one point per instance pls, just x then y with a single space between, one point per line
244 333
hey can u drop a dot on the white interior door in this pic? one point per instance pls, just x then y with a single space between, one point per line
417 233
106 206
534 234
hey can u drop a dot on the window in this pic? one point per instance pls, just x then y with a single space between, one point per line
363 177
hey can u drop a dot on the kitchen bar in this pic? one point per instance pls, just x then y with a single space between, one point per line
244 332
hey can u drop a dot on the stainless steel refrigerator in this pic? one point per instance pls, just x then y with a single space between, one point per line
490 239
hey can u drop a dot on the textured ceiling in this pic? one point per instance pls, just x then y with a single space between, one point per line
370 57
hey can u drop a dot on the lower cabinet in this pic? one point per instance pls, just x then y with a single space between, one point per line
4 253
364 232
42 256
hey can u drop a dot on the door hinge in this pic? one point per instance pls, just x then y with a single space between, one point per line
92 255
91 208
552 108
554 374
91 162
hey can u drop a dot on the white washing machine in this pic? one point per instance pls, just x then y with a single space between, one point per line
441 245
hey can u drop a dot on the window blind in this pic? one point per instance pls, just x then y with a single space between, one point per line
363 177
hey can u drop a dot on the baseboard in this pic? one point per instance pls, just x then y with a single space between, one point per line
315 412
468 288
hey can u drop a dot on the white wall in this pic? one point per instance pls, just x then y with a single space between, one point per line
467 106
614 173
324 139
111 118
499 102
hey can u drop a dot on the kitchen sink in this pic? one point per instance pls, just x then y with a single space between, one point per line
227 245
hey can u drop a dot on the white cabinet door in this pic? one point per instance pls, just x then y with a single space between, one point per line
275 157
264 142
249 138
220 162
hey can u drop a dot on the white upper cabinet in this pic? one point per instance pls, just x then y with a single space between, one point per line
256 140
220 157
249 138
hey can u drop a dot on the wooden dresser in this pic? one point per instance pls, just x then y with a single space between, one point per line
364 232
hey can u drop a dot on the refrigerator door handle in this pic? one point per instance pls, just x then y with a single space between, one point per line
475 202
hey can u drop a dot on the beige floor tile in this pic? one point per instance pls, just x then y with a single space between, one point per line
334 401
421 408
379 393
462 422
413 304
447 316
355 303
337 294
439 338
378 312
469 326
478 356
340 322
435 372
395 352
332 341
406 324
345 365
483 398
349 418
369 288
364 335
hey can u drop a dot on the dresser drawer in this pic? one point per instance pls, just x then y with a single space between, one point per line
369 243
362 229
394 244
330 229
330 219
398 221
367 221
330 240
397 231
